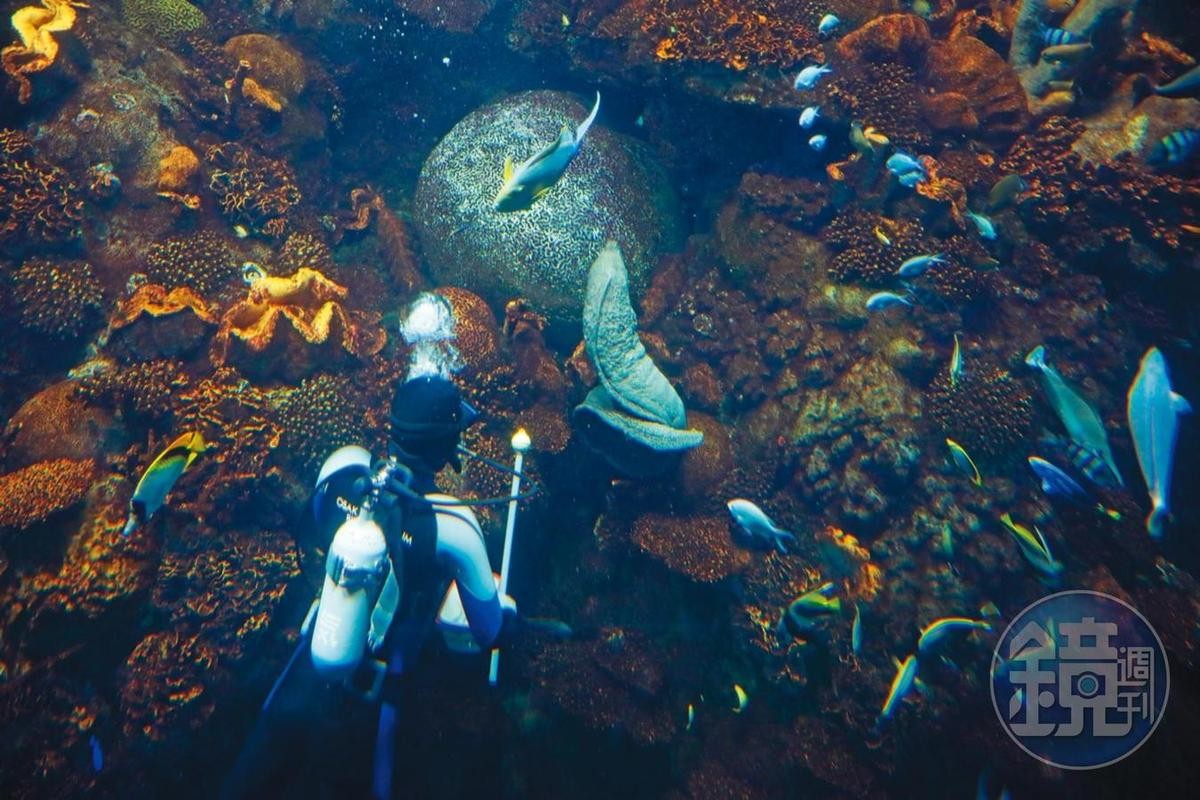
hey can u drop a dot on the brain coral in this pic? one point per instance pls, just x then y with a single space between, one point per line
612 190
164 19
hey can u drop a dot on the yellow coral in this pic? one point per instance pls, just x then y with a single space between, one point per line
38 47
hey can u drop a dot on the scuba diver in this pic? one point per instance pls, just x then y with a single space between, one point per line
395 546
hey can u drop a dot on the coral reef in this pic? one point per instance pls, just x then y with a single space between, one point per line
201 261
884 95
252 189
318 416
863 255
613 189
156 323
973 81
54 424
146 389
38 47
697 546
38 202
35 492
60 300
987 410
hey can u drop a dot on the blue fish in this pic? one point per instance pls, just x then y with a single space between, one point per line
809 76
1175 148
1186 85
910 179
97 753
856 634
882 300
918 264
817 142
808 117
758 526
986 228
1053 37
1154 410
1083 424
902 684
828 24
1055 482
900 162
524 183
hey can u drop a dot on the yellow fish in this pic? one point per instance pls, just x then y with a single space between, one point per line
964 462
159 478
742 699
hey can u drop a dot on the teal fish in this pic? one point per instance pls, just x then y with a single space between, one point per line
933 633
983 225
956 363
918 264
881 300
1154 409
856 632
947 540
159 478
526 183
902 685
1005 191
1034 548
964 462
1083 424
1186 85
800 616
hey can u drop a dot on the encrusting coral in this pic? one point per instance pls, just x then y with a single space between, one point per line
38 48
252 189
33 493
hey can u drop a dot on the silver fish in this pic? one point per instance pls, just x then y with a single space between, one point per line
757 525
1153 410
524 184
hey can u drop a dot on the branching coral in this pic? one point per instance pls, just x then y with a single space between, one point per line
60 299
252 189
311 304
31 494
987 410
38 48
38 202
201 261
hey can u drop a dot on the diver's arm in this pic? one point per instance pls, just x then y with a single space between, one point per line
460 547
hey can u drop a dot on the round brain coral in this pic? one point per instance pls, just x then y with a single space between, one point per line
987 411
58 299
613 189
164 19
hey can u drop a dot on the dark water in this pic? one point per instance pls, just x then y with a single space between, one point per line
215 216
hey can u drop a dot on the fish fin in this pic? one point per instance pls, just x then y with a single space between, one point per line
540 193
582 130
1037 357
895 661
1179 404
508 168
1041 537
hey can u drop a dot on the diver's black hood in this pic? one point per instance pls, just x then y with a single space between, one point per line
429 408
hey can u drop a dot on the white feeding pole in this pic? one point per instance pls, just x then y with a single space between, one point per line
520 443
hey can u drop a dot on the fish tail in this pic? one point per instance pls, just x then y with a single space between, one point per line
1157 520
1142 88
582 130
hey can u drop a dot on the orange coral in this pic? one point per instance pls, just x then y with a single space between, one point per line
177 167
156 301
475 332
37 48
31 494
394 239
309 301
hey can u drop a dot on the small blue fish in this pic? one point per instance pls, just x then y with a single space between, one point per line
1154 409
1175 148
882 300
1055 482
809 76
817 142
808 117
900 162
933 633
856 633
1052 37
97 753
984 225
918 264
757 525
828 24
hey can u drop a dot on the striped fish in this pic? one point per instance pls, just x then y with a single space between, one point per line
1053 37
1175 148
1087 461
